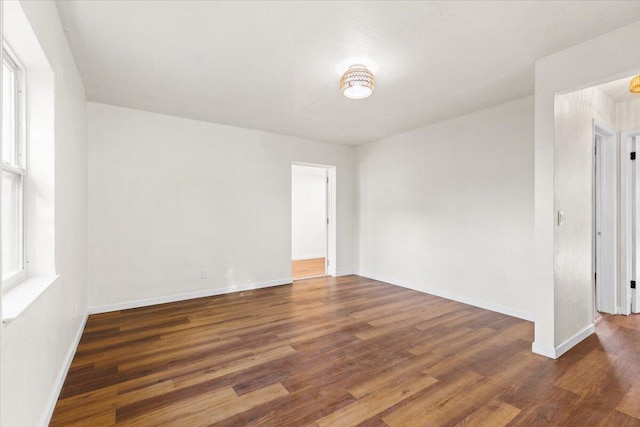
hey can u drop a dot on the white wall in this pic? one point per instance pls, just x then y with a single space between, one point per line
308 212
448 208
1 312
628 115
575 113
562 303
170 197
36 346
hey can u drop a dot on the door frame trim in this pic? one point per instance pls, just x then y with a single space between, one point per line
626 220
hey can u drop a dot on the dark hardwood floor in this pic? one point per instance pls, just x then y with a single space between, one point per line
342 352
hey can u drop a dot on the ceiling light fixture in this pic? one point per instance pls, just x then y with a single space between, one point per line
634 84
357 82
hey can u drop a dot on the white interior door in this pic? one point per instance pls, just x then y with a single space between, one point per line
605 221
327 213
634 298
630 222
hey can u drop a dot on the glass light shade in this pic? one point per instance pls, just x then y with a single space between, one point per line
634 84
357 82
357 92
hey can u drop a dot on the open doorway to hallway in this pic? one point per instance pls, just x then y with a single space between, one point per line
605 224
608 114
310 218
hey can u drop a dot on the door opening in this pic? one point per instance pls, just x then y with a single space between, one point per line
631 301
630 232
310 221
604 221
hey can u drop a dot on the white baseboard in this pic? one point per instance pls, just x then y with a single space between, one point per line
344 273
509 311
301 258
186 296
544 350
567 345
62 375
574 340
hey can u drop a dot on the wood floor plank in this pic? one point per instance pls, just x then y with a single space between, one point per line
442 405
372 404
370 385
298 408
494 414
174 413
342 351
235 366
305 268
630 404
212 414
103 418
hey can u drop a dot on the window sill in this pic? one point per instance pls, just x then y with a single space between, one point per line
16 300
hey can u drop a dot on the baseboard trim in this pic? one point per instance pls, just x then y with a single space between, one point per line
544 350
344 273
520 314
302 258
187 296
567 345
575 339
62 375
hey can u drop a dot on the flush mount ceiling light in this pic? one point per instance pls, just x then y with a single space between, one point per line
357 82
634 84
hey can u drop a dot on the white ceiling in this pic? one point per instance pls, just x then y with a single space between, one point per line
272 65
618 90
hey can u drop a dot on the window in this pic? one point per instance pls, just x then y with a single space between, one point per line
27 155
13 172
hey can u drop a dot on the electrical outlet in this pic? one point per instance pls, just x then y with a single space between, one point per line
204 273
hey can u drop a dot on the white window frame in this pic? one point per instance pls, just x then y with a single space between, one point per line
19 169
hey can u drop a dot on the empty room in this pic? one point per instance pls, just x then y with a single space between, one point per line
320 213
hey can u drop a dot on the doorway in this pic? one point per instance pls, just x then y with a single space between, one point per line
630 233
604 220
310 220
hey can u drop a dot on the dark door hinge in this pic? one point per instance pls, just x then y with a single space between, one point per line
633 284
633 155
